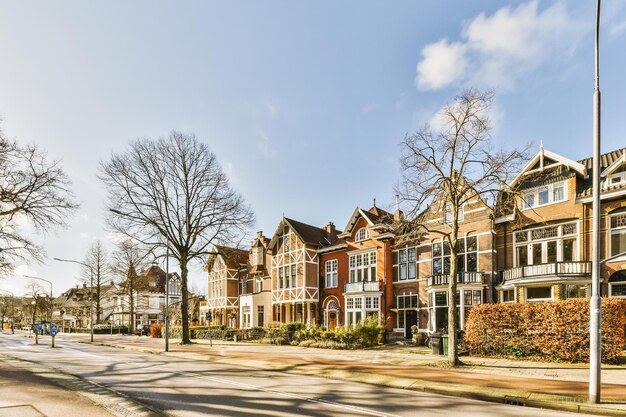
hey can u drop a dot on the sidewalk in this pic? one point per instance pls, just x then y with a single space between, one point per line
544 385
38 396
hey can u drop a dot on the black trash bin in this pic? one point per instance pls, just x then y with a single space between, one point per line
436 343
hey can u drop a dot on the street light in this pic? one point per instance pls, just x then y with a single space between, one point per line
595 302
90 291
49 282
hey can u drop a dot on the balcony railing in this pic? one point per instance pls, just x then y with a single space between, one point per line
363 286
461 278
573 268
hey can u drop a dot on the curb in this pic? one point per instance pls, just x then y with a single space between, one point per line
499 396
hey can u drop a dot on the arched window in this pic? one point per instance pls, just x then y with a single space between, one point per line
332 306
362 234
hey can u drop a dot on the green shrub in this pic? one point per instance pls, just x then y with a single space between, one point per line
548 331
364 334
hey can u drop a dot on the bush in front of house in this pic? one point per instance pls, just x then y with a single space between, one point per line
363 335
554 331
202 332
156 330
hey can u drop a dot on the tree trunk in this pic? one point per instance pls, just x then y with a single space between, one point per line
184 312
453 354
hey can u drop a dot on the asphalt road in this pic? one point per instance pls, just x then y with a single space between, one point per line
186 387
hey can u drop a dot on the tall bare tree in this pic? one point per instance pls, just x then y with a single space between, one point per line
97 257
33 190
127 259
172 193
36 292
450 166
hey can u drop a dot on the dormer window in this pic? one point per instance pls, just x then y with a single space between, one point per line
544 195
362 234
447 216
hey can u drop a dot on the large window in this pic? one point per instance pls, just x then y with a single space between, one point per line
547 194
407 301
539 294
287 276
546 245
405 266
331 273
362 234
360 308
447 216
467 258
574 291
363 267
618 233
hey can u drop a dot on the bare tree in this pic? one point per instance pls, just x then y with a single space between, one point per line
172 193
7 306
449 167
129 257
36 292
33 190
97 257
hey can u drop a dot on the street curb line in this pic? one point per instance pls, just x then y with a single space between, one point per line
503 396
103 396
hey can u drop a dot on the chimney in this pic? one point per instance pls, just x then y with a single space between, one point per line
331 232
259 235
84 285
398 215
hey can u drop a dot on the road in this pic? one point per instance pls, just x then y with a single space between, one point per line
187 387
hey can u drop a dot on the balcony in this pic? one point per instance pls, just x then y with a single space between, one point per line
553 269
363 286
461 278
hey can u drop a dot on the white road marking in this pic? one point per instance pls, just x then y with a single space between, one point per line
289 395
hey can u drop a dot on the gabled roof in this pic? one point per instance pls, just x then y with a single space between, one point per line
609 162
233 257
547 159
617 162
311 235
374 216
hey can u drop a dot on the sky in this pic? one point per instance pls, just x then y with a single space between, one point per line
304 103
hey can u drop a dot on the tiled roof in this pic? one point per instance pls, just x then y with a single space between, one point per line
233 257
584 186
309 234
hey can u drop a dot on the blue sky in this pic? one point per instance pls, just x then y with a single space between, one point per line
303 103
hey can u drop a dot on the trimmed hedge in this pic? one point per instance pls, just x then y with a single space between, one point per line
364 334
555 331
201 332
155 330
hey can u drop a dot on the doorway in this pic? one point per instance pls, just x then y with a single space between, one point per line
410 321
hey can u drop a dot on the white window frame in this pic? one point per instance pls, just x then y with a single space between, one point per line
534 193
539 300
620 228
362 267
332 277
407 263
362 304
362 234
559 238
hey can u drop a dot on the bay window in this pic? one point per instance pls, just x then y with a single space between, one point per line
546 245
363 267
617 224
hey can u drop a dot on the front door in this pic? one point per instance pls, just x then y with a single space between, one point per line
409 321
332 320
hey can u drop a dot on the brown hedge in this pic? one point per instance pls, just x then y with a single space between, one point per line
557 331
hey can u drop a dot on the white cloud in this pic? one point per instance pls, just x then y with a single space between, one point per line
84 235
500 49
442 64
265 145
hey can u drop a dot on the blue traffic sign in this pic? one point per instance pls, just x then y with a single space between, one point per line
53 330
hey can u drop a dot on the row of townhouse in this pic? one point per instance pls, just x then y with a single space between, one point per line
72 307
537 249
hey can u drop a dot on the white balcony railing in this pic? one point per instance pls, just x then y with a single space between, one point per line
461 278
363 286
572 268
